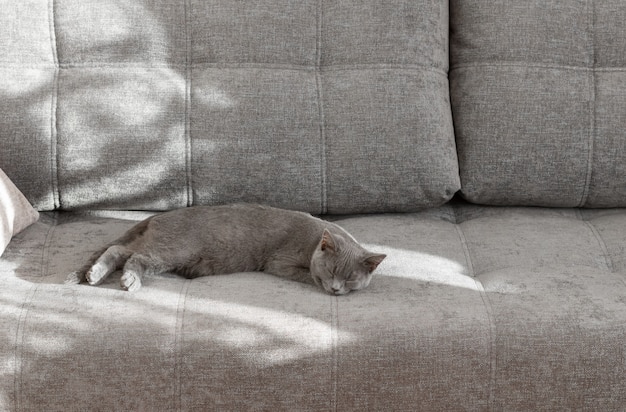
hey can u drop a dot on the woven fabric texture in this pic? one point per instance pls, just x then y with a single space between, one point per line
474 308
538 92
322 106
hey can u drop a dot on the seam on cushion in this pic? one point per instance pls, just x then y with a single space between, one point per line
591 139
152 65
207 65
54 141
466 251
54 161
535 65
236 65
384 66
532 65
334 368
493 360
19 345
605 251
609 69
24 309
187 133
608 262
488 311
45 255
53 37
178 345
320 107
21 325
592 104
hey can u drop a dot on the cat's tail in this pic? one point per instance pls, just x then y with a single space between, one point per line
80 275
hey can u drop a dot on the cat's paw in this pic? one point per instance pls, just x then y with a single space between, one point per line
96 275
74 278
130 282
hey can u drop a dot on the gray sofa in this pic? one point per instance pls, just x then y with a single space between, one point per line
480 144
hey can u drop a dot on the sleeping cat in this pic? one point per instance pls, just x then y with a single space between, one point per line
202 241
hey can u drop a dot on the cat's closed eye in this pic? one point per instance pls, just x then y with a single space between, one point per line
351 284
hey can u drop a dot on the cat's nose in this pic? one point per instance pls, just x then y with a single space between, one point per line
339 291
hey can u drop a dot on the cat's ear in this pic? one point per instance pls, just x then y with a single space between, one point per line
327 243
373 261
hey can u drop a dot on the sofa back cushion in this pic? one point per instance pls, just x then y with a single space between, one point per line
319 105
538 93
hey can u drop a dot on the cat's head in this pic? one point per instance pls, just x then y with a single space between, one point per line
340 265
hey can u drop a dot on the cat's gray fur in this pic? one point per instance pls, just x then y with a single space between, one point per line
202 240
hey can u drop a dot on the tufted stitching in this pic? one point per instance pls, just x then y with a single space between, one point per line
466 251
608 262
334 309
488 311
47 246
19 345
54 161
263 65
532 65
592 105
54 168
519 64
320 97
178 345
188 66
24 309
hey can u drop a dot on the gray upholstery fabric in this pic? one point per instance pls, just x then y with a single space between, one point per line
538 92
324 106
475 308
313 105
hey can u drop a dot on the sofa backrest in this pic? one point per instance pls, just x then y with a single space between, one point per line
323 106
538 93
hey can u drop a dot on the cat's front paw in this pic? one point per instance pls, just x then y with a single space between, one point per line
130 282
96 274
74 278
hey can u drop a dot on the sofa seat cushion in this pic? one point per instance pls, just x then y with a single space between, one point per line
508 309
329 107
538 90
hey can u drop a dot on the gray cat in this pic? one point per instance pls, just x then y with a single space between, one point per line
202 241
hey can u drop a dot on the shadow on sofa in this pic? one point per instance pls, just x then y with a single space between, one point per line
251 338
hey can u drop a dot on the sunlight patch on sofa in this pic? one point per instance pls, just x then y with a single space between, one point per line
25 82
112 30
7 366
49 344
423 267
271 336
109 33
135 97
95 183
267 335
